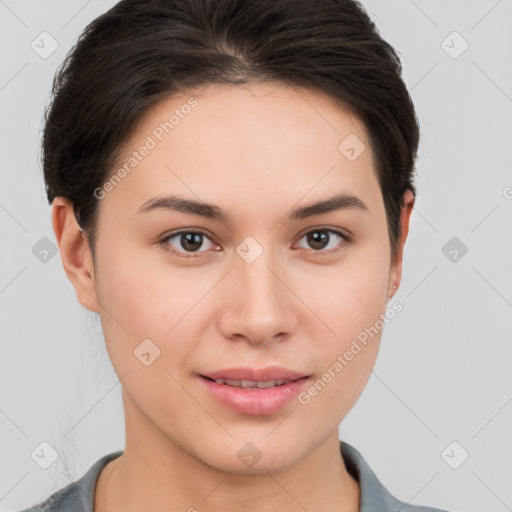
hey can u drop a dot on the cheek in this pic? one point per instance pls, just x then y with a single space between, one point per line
352 302
144 321
144 299
349 298
144 295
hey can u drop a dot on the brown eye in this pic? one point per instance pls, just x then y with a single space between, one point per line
320 239
191 241
184 242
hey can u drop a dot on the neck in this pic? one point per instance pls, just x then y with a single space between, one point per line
158 475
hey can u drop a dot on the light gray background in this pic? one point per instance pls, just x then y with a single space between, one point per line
444 369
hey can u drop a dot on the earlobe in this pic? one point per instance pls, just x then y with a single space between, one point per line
396 266
75 253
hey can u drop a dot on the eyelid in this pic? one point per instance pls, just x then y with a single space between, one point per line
344 233
347 238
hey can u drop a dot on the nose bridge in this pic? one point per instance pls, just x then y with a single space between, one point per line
260 304
259 284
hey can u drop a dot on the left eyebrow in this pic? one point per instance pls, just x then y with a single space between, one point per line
211 211
337 202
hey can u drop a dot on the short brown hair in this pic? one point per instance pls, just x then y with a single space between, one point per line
141 51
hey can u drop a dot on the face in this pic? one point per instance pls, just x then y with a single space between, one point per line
187 296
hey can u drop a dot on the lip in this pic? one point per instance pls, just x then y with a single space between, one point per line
257 374
254 401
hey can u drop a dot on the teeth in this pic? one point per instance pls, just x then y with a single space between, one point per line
252 383
267 384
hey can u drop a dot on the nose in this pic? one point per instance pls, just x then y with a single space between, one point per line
258 304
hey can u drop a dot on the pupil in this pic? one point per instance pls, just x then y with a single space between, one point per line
192 238
318 237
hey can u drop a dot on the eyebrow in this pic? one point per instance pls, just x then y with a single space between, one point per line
210 211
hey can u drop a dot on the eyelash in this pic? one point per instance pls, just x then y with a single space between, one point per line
165 245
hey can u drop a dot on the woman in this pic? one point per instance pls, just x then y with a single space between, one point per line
231 188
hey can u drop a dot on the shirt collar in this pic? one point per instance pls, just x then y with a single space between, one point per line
373 495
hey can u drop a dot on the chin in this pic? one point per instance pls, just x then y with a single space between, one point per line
274 463
245 458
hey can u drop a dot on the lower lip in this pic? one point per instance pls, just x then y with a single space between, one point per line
255 401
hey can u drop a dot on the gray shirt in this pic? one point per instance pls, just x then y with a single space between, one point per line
78 496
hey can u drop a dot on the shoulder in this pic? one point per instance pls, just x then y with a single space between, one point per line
77 496
374 496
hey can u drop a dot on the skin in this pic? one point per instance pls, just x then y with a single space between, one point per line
256 151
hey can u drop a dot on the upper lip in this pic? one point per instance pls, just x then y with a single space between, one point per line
255 374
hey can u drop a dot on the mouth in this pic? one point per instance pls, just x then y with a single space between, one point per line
252 391
252 384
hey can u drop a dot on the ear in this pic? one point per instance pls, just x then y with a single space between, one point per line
395 274
75 253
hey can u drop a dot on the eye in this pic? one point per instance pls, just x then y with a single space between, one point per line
184 242
321 238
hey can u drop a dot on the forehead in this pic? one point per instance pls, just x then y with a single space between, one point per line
268 112
246 140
